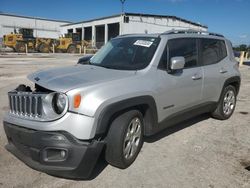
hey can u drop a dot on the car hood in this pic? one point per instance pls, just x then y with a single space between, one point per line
68 78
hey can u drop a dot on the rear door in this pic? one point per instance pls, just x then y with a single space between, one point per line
182 89
213 55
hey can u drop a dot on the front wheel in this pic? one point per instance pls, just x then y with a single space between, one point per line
125 139
226 104
72 49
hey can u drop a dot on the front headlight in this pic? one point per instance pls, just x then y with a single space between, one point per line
55 105
59 103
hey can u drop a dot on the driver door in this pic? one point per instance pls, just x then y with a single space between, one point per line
182 89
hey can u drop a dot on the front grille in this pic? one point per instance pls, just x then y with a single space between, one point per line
25 104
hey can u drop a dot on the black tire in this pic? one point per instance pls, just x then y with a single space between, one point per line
20 47
219 112
71 49
43 48
59 50
116 143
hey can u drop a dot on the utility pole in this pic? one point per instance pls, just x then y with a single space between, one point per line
122 1
35 27
122 17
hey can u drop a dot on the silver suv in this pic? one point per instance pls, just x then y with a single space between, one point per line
135 86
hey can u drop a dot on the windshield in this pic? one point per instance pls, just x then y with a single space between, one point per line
129 53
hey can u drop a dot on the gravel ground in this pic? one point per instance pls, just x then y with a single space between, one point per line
201 152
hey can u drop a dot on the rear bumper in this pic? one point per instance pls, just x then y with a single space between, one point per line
55 153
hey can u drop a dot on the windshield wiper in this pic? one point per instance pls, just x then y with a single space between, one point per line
99 65
110 66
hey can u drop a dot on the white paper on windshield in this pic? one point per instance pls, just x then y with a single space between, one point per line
143 43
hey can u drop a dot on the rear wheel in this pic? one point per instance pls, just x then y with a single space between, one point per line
20 47
71 49
125 139
226 104
43 48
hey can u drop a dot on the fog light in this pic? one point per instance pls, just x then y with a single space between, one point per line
54 155
63 153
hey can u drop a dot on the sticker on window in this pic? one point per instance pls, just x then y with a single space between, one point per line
143 43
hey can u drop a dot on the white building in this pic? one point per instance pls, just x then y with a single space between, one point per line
100 30
47 28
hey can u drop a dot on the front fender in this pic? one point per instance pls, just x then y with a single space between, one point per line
112 110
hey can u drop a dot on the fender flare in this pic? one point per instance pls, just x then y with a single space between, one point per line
234 79
111 111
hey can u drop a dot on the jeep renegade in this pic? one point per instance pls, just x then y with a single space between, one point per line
134 86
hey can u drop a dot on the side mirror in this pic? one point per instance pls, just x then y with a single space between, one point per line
177 63
85 59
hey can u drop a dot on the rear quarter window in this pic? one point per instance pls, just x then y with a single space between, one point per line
212 51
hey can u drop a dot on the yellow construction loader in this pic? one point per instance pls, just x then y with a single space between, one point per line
71 43
19 41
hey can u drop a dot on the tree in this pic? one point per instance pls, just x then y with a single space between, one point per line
243 47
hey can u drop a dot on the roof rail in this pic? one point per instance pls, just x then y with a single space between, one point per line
191 31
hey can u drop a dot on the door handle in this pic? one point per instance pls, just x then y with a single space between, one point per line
196 77
222 71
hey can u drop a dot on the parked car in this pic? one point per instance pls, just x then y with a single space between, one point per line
236 54
135 86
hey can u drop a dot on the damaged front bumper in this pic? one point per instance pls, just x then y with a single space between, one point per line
55 153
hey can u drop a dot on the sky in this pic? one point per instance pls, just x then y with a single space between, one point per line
228 17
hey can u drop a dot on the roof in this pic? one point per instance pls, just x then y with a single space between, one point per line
141 15
192 31
166 16
180 33
30 17
91 20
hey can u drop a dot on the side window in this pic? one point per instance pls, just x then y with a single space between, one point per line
212 51
186 47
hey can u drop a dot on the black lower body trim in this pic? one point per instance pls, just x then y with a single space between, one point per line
55 153
184 115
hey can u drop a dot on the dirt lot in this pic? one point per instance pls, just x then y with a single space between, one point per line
202 152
